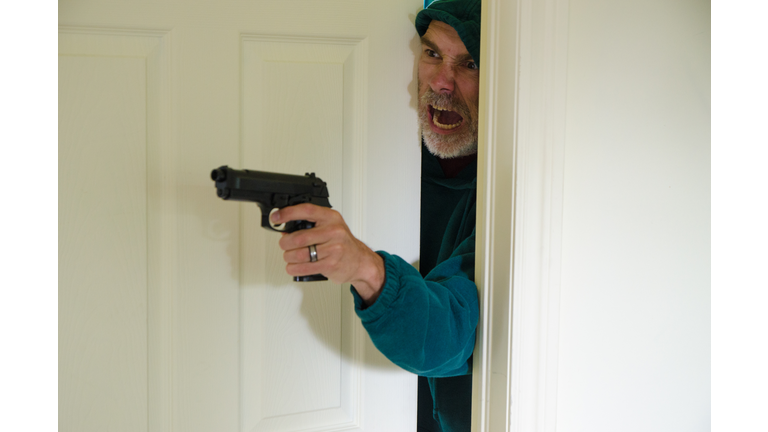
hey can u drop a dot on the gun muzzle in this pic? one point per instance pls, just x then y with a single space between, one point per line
218 175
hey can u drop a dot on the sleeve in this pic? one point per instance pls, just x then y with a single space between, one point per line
426 325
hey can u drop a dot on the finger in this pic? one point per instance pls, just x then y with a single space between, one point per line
304 269
304 238
300 255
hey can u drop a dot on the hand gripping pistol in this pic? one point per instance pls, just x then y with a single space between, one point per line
273 191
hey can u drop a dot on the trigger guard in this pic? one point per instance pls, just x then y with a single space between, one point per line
290 226
278 226
265 223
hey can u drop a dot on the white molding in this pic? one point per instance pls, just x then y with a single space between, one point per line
164 175
523 88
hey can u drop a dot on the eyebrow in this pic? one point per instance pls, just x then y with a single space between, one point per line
428 42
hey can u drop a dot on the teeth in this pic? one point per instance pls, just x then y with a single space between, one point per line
436 115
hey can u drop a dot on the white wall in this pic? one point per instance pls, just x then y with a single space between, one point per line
635 288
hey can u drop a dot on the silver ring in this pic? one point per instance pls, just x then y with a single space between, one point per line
312 253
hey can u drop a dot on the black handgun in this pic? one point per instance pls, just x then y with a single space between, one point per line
273 191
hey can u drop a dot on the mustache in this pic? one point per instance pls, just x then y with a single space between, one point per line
446 101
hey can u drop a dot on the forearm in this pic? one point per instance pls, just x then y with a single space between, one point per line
426 326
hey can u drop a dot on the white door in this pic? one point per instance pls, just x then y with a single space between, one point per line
175 313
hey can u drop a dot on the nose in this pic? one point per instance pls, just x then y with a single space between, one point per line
443 81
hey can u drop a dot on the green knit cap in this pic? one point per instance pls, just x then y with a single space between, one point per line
462 15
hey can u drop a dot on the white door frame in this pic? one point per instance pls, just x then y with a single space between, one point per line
519 221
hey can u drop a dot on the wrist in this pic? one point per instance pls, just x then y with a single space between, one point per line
370 281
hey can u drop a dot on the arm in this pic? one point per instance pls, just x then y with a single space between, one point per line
426 325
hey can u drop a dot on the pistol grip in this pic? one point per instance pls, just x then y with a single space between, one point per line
310 278
300 225
292 226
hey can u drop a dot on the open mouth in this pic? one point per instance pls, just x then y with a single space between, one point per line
444 118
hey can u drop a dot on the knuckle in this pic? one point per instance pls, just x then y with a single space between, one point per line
335 250
311 210
337 231
335 261
304 209
299 238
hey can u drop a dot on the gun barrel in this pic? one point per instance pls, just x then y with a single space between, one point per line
268 188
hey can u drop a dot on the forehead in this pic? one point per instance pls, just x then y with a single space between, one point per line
444 37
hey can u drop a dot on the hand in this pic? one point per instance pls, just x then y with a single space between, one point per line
341 257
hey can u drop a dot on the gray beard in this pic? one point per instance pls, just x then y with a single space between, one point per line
447 146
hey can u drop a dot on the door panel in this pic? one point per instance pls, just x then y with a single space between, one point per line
111 90
103 241
175 311
296 373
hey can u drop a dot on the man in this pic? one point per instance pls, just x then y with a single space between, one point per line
423 321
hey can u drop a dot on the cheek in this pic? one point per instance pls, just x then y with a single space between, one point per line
423 85
470 90
426 71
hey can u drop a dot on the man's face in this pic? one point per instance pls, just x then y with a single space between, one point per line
449 83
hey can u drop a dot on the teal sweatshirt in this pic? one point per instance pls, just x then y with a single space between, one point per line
424 320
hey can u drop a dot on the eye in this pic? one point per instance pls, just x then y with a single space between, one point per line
431 53
472 65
